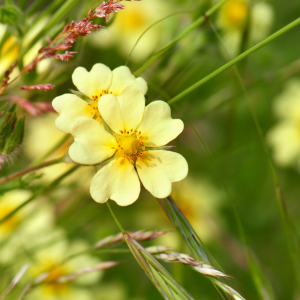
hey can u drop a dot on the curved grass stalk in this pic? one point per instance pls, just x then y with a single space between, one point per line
161 279
194 25
152 25
235 60
291 234
185 229
159 276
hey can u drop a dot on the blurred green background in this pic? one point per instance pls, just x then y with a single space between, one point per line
237 172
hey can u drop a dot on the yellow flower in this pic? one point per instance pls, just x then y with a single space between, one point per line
137 132
284 137
51 261
94 84
236 14
233 14
129 24
26 227
11 47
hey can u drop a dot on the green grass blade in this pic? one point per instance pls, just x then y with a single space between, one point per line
183 226
159 276
235 60
194 25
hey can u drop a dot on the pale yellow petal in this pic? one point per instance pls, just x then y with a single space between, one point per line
117 181
92 83
122 78
124 112
70 107
159 169
157 127
92 144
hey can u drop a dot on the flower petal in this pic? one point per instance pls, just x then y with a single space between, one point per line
117 181
125 111
157 127
92 83
70 107
158 169
92 144
122 78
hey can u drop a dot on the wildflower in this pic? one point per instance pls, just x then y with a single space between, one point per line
130 23
284 137
133 146
23 228
50 265
235 15
94 84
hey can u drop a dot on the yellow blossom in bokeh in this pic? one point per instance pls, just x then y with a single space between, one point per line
284 137
235 15
129 24
52 261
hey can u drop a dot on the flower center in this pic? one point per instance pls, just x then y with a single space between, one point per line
54 272
130 145
93 107
235 12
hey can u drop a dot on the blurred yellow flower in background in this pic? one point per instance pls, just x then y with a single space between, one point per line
137 132
10 49
94 84
130 23
236 15
25 227
52 261
284 137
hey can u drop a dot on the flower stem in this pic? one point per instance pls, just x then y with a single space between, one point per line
194 25
235 60
115 218
21 173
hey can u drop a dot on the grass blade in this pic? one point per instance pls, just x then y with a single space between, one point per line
183 226
159 276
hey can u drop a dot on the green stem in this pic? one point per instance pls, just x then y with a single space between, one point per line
194 25
21 173
115 218
291 235
235 60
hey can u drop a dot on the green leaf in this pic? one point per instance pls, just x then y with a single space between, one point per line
9 14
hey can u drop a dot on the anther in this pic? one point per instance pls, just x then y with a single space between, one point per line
141 153
113 148
121 131
131 129
139 132
145 152
139 159
89 104
132 161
